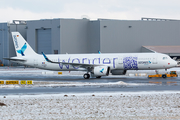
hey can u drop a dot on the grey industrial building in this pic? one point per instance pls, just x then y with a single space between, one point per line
6 43
60 36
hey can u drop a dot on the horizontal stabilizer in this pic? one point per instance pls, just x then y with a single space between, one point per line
15 59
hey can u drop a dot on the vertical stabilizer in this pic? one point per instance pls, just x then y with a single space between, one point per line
22 48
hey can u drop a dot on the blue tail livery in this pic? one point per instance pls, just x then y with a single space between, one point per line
21 51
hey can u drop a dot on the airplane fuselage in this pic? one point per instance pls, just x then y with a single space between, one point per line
95 64
124 61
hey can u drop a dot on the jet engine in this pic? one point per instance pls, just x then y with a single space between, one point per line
118 72
101 71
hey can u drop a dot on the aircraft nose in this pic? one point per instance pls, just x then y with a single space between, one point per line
174 63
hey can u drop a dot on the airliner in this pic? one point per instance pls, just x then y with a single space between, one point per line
94 65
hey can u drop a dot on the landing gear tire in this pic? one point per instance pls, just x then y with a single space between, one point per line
86 76
98 76
164 76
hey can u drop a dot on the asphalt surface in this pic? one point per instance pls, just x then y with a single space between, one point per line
134 84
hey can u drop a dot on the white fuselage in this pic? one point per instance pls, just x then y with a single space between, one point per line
95 64
124 61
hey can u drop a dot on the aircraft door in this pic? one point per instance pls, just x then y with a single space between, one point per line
154 61
35 62
120 62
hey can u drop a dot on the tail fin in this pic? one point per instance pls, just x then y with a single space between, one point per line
22 48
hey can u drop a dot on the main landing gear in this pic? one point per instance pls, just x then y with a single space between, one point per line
86 76
98 76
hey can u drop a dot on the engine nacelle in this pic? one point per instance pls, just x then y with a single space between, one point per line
101 71
118 72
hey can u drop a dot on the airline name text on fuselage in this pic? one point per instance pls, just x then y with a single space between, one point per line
88 61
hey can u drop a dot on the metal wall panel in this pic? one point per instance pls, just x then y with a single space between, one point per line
93 37
73 36
53 24
108 36
129 36
1 44
4 43
44 41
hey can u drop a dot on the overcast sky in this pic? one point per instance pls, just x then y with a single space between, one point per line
92 9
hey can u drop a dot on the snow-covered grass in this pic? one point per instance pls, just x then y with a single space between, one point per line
92 106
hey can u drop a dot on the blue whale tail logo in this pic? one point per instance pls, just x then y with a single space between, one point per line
21 51
102 70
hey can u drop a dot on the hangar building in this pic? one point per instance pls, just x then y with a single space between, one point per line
131 36
60 36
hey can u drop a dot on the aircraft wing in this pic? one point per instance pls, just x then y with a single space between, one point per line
73 64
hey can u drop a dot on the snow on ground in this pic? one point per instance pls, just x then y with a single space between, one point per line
104 106
88 106
73 84
34 72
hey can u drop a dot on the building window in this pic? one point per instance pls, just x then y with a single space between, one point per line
55 51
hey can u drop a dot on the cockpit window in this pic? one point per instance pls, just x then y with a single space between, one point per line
164 58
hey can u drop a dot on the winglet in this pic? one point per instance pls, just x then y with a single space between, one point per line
46 58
